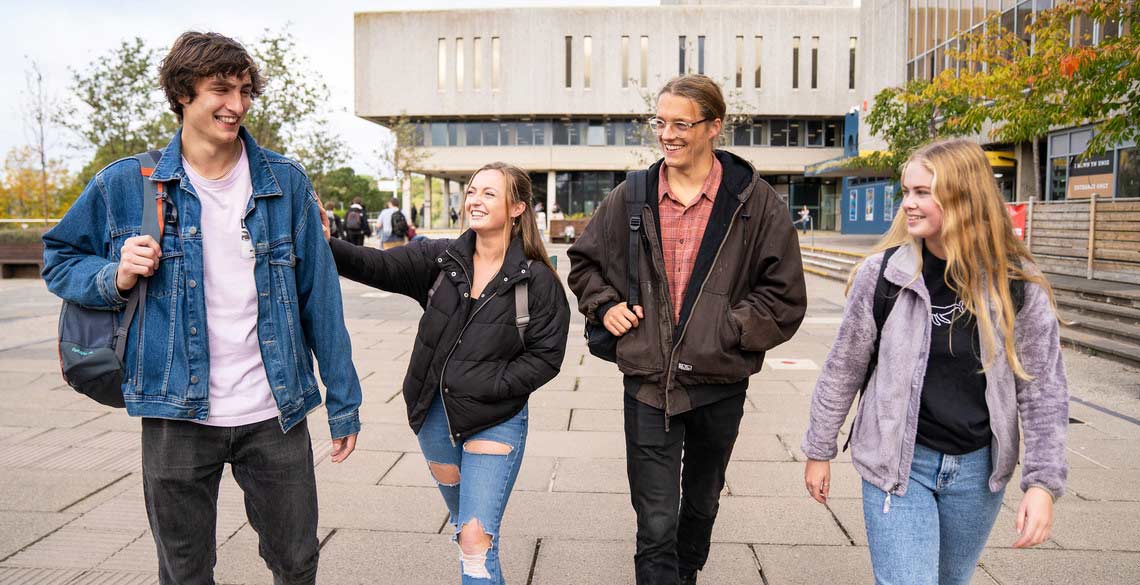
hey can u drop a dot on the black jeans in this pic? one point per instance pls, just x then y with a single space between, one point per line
675 480
182 468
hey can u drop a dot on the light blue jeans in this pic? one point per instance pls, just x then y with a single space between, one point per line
935 533
485 483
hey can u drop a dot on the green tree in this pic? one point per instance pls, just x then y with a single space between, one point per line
23 182
117 108
294 96
342 184
1100 81
320 150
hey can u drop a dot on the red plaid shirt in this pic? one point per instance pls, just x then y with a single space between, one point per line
682 229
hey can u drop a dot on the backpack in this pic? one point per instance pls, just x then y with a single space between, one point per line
599 340
399 224
92 342
354 220
886 293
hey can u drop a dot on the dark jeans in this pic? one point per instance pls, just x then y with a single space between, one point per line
182 468
673 530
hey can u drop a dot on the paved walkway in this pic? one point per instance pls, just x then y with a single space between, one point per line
71 500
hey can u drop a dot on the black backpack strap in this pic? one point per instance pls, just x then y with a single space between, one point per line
522 306
152 225
883 302
634 203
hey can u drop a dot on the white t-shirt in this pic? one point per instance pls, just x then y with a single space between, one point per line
239 388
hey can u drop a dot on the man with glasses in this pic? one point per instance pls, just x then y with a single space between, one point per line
721 282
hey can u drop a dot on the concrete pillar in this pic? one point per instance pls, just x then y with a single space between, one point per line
406 199
425 219
462 211
446 215
551 185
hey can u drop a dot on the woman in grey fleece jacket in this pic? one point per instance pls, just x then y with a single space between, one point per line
963 355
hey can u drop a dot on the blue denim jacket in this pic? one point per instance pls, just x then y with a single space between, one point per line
167 359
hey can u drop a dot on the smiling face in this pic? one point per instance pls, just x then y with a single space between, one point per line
486 203
684 149
923 213
215 113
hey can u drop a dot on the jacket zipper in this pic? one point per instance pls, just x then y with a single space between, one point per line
701 290
443 369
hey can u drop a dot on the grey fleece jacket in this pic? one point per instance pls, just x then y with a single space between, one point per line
886 423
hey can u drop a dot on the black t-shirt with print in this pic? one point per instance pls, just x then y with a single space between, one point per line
953 417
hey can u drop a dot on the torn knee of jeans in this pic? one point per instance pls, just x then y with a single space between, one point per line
485 447
474 543
444 474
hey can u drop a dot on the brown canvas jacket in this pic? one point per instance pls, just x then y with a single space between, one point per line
746 296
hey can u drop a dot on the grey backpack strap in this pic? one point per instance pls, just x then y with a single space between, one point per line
522 306
435 285
151 226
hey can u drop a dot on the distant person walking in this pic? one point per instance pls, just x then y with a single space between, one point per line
356 226
336 224
477 357
805 219
393 226
955 295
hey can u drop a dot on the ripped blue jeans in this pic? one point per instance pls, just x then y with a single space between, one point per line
484 486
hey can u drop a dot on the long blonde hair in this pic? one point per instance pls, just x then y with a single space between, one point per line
519 190
982 253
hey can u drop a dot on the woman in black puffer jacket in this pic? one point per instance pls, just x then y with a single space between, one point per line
476 357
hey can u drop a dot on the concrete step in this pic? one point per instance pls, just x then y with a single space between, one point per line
1125 314
1093 344
1108 328
828 262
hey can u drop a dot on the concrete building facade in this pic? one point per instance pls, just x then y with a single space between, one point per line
565 92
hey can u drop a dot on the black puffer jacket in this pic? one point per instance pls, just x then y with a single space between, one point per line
487 373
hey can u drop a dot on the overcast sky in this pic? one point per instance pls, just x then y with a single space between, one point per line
60 34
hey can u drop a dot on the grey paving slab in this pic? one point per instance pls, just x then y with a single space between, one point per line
577 516
362 467
116 421
584 562
761 447
84 458
602 384
549 419
1105 484
775 521
411 470
786 565
1062 567
576 443
569 399
37 576
20 529
763 478
409 559
588 419
1097 525
1111 454
793 422
42 490
26 455
124 513
593 475
43 418
239 561
13 435
393 509
140 556
72 548
381 437
116 578
536 473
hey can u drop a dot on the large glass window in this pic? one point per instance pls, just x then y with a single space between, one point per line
756 70
569 62
587 59
625 61
634 133
1128 173
525 134
477 62
851 64
701 55
794 128
459 64
644 66
441 83
815 62
681 55
580 192
496 66
596 133
760 133
739 62
439 134
795 62
1058 178
779 134
474 132
815 133
742 135
569 133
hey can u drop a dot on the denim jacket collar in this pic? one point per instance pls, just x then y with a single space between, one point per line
264 183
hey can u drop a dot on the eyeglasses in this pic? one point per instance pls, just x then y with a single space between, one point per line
657 125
